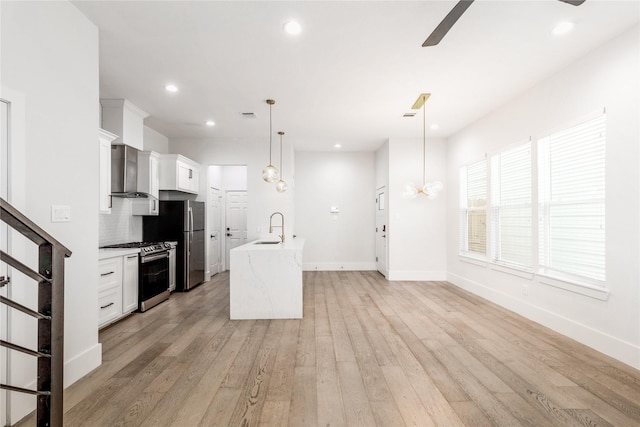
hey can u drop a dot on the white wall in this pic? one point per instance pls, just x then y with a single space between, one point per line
346 180
417 227
235 177
50 66
607 77
382 166
262 197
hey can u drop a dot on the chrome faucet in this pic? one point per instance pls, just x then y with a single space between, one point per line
281 225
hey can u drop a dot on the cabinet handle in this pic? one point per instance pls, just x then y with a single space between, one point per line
132 256
106 274
105 306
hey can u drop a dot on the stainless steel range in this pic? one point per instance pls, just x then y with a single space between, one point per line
153 272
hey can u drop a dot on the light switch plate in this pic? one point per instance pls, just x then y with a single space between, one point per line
60 213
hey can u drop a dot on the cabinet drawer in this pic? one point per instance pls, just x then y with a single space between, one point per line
109 305
110 271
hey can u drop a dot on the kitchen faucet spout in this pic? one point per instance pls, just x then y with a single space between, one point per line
281 224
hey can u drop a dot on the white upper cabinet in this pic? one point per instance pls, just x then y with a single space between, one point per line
179 173
105 139
124 119
148 182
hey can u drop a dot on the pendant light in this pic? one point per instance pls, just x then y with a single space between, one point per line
428 189
270 173
281 186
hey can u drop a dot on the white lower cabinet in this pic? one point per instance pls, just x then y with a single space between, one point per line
130 284
117 288
109 290
172 269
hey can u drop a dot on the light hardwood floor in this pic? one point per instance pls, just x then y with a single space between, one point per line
368 352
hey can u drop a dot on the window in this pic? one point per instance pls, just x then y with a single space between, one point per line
571 193
511 207
473 213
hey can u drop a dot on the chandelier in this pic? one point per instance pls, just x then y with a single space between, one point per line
270 173
428 189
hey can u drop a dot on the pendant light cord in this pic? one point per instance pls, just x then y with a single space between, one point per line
270 132
281 133
280 156
424 143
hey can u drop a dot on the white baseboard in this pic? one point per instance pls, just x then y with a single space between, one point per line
80 365
621 350
338 266
74 369
416 275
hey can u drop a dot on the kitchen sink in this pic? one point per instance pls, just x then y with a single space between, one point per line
266 243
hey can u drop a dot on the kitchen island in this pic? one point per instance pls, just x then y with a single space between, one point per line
266 280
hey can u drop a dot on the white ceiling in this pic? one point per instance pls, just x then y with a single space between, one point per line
351 74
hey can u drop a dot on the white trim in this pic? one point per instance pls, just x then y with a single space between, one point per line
601 293
81 364
74 369
417 275
480 262
339 266
515 271
623 351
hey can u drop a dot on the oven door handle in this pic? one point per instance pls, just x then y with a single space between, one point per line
146 259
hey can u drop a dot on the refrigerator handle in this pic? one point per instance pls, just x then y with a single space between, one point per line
190 227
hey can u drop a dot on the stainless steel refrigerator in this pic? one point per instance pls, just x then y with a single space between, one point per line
181 221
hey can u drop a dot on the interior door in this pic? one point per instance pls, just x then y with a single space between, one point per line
236 221
215 236
381 231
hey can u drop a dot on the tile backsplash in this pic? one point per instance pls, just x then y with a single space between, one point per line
119 226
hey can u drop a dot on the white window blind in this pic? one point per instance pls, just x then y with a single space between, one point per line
511 242
571 174
473 203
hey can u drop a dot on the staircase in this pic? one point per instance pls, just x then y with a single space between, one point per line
49 314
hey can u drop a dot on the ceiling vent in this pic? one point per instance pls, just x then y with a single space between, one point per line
249 115
411 114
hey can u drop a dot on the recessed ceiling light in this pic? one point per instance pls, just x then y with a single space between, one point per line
210 123
563 28
434 126
171 88
338 146
293 28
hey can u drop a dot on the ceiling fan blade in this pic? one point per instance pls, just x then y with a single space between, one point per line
446 24
573 2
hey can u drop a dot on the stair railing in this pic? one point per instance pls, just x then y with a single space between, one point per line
50 315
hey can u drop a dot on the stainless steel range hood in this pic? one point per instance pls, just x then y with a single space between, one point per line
124 173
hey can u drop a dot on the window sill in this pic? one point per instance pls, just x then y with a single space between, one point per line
585 289
514 271
470 259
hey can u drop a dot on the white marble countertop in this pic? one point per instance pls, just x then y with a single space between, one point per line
116 252
293 244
